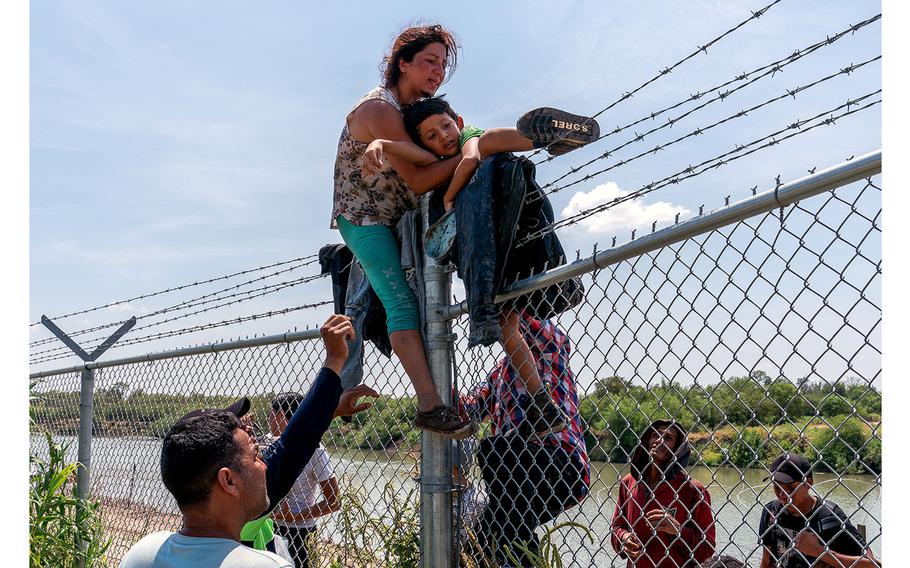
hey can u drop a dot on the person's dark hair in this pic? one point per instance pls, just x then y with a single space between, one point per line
410 42
287 403
193 451
416 113
723 561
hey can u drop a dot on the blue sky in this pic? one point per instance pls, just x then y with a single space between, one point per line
173 142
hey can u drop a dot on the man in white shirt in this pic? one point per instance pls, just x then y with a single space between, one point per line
213 467
295 518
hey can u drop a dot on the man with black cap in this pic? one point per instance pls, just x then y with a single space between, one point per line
212 466
799 530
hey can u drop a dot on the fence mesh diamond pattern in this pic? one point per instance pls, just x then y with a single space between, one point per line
758 338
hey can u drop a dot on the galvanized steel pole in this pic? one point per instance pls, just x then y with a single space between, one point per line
84 450
436 483
86 416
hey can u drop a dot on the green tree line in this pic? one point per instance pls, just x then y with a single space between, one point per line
741 421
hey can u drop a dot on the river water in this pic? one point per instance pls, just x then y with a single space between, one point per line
127 468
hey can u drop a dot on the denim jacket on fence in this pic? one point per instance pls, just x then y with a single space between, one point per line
504 201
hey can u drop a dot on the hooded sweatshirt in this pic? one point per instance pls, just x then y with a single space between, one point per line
675 492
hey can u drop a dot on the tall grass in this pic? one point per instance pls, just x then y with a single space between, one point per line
64 530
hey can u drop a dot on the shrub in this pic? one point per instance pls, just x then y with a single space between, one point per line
59 522
872 456
748 450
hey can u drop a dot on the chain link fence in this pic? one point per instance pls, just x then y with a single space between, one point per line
758 337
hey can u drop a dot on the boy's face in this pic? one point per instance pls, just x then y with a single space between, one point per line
439 134
791 493
661 444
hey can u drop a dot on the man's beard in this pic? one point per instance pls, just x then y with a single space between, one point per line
259 499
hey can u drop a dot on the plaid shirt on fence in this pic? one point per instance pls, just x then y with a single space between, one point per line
502 398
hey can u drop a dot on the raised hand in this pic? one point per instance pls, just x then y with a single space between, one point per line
347 404
336 332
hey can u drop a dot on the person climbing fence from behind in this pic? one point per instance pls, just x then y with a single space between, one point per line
529 479
315 494
366 208
663 517
799 529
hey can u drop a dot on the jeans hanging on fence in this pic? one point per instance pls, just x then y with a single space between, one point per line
354 297
501 204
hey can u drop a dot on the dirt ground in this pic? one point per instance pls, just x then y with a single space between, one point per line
127 522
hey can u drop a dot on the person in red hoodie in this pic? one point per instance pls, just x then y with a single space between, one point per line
663 517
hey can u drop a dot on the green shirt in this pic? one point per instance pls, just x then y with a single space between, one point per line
467 133
259 532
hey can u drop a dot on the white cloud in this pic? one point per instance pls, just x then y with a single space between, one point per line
627 215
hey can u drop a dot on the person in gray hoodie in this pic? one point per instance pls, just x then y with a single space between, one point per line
663 517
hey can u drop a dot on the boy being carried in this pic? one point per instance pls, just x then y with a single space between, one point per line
438 132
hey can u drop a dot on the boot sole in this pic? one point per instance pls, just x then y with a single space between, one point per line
459 434
547 125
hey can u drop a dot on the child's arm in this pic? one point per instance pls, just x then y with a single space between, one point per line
496 140
475 150
470 161
372 157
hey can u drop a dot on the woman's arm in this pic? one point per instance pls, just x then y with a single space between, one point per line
382 120
372 157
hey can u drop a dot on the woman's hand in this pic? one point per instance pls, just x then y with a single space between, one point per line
449 205
372 158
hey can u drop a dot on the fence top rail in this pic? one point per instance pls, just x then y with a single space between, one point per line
785 194
289 337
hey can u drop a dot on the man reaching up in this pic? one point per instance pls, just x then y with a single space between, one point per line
212 466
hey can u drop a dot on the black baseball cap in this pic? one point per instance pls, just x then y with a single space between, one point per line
238 409
788 468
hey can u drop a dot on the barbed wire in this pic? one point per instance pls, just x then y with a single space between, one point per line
667 70
196 328
789 93
712 163
188 303
270 289
769 69
311 257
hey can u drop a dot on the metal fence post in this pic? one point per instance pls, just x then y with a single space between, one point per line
84 449
86 407
436 483
86 404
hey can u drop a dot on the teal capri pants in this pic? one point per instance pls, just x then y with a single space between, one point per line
376 248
